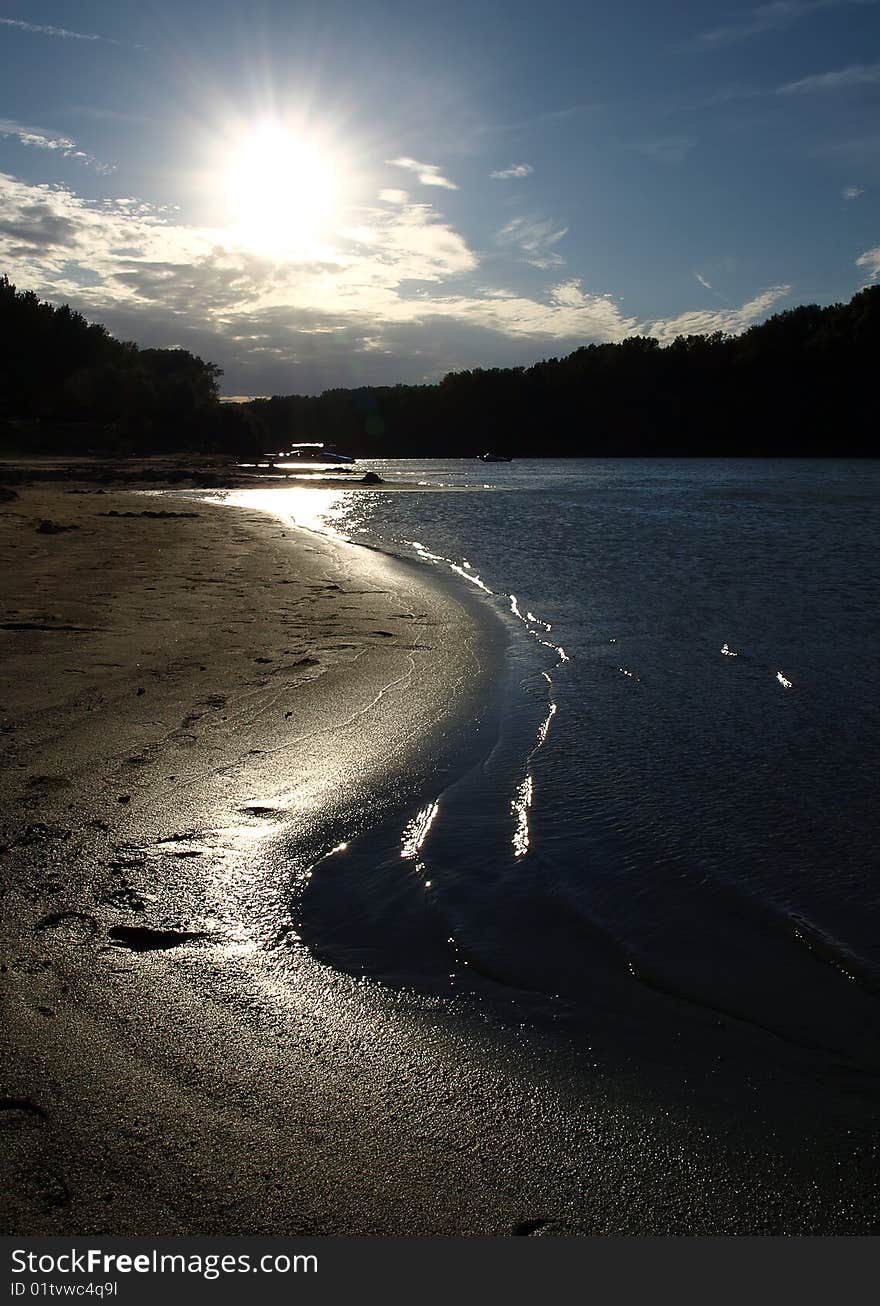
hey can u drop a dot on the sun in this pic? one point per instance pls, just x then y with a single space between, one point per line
282 189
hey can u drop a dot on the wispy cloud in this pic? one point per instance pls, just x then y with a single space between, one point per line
537 120
870 261
774 17
31 136
428 174
858 74
836 79
45 29
390 196
535 239
706 321
515 170
42 140
852 192
703 282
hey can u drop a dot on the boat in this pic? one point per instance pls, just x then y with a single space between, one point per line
310 451
495 458
328 456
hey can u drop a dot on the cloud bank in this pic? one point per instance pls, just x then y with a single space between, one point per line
396 296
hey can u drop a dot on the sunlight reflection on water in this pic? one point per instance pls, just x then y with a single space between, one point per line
663 585
315 509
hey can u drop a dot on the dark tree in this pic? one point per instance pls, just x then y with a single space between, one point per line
799 383
67 385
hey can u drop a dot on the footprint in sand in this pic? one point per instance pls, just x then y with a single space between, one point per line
266 813
142 939
530 1228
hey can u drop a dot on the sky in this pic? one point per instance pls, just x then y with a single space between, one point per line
362 192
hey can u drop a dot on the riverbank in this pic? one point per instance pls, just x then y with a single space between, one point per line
183 471
195 707
181 682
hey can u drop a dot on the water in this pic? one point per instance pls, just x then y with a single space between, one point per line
682 797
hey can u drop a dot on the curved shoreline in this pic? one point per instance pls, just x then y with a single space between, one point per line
173 1062
154 818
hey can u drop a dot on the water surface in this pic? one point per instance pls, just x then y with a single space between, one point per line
682 798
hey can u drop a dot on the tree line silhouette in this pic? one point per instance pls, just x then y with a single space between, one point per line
68 386
800 383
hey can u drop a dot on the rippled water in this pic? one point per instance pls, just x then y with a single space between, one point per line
683 796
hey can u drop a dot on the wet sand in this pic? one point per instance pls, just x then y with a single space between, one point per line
193 709
181 682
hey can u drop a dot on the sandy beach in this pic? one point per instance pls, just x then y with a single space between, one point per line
198 701
181 680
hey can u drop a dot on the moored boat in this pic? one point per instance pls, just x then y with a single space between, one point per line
310 451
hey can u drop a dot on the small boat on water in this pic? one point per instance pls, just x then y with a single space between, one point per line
495 458
312 452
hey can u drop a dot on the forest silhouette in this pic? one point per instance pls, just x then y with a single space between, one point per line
800 383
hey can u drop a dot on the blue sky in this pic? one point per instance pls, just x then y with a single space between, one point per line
322 194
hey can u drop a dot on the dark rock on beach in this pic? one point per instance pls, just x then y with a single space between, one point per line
160 515
47 527
138 938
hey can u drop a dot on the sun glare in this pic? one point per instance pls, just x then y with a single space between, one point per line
283 191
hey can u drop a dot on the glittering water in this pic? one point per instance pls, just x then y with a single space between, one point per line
683 794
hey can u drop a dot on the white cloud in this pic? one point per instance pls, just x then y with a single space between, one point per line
839 79
515 170
394 297
47 230
706 321
428 173
576 317
31 136
570 293
870 261
151 278
535 239
775 16
135 253
393 196
852 192
45 29
42 140
411 244
703 282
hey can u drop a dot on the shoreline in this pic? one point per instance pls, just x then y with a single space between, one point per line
190 472
159 746
218 1078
